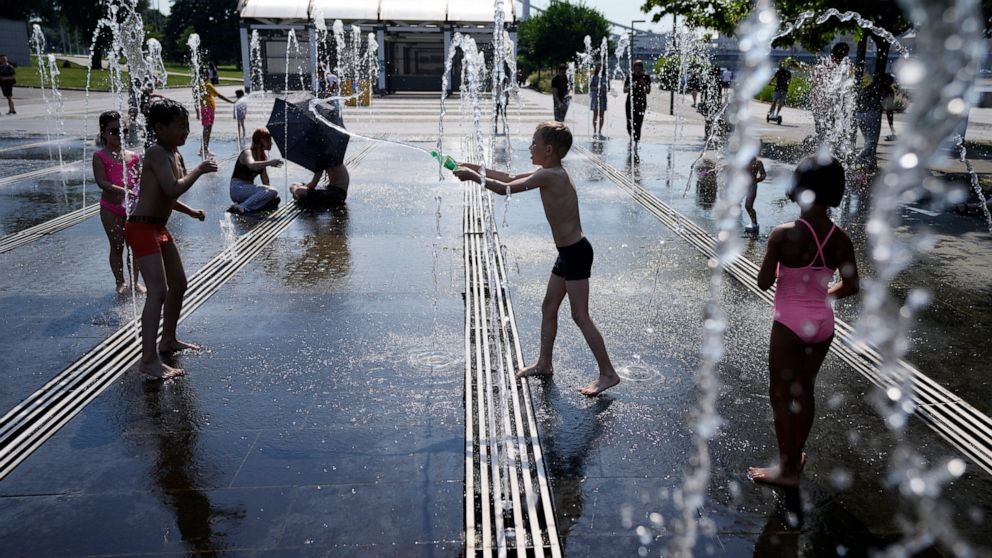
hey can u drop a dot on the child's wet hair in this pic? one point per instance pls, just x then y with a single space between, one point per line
106 118
822 177
239 93
164 111
557 135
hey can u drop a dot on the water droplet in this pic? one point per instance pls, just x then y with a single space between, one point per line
956 467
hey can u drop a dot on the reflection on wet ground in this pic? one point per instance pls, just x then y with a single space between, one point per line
325 415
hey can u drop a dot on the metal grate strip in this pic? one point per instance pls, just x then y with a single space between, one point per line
508 506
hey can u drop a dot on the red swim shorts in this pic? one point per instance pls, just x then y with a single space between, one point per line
146 238
207 116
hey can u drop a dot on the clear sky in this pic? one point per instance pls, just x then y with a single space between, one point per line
619 11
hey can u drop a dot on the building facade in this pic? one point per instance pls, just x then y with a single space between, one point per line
297 43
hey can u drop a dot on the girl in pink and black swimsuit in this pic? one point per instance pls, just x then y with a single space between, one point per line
801 260
119 187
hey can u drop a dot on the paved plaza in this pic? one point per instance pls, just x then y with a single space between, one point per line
327 413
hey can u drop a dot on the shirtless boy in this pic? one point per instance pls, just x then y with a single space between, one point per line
163 180
570 274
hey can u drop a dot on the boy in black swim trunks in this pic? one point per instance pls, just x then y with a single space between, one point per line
570 274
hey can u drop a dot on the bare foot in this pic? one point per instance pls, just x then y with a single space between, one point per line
160 370
121 288
536 370
772 476
140 288
175 346
603 383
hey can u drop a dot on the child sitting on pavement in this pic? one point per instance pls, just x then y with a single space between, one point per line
163 179
570 274
335 192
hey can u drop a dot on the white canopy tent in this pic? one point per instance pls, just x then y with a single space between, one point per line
413 36
412 11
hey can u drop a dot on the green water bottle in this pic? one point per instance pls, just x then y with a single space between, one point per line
447 162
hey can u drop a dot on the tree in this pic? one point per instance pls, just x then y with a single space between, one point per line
216 21
555 35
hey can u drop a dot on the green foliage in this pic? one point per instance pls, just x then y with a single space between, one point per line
555 35
73 76
542 84
216 21
725 15
667 70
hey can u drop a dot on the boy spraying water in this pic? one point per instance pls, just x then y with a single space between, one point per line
163 180
571 271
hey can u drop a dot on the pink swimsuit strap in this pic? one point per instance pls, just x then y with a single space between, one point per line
115 170
819 245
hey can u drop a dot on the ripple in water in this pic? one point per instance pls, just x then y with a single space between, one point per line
640 372
433 360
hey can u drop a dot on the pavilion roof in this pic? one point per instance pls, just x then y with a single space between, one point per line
418 11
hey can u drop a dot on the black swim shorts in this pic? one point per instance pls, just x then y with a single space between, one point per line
574 262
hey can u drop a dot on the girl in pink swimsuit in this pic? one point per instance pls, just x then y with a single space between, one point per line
117 186
802 258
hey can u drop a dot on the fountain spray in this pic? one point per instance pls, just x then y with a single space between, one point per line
942 76
755 47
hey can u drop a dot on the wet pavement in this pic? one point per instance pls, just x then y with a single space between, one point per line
325 415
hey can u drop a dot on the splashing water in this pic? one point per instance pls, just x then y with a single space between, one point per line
290 40
372 64
37 42
975 185
155 65
197 83
255 63
230 237
338 30
355 62
755 34
53 81
942 75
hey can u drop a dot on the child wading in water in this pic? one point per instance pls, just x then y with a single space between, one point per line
116 184
570 274
802 258
163 180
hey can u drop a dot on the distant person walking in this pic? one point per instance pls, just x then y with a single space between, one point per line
637 100
8 77
890 90
802 258
559 92
213 74
868 116
599 85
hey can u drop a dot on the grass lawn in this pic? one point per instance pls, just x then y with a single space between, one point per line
74 76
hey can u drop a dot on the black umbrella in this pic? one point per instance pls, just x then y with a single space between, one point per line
310 143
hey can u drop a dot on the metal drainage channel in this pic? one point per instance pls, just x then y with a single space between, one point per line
38 417
40 172
20 238
508 503
26 236
959 423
